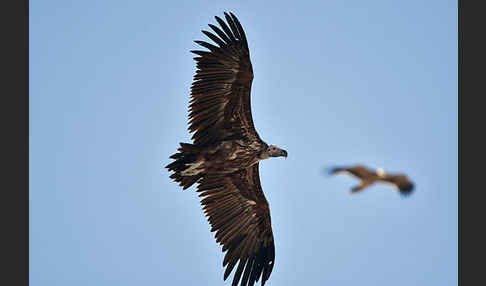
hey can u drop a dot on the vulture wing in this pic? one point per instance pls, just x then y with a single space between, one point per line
220 106
239 213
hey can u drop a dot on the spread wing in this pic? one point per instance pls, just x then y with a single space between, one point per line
239 213
220 94
359 171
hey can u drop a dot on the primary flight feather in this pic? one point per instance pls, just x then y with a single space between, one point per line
224 156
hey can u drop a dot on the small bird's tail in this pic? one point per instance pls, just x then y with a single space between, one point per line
406 189
187 154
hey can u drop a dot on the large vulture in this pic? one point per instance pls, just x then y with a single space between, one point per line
223 158
368 177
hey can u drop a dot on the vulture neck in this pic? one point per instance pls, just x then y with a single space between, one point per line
263 155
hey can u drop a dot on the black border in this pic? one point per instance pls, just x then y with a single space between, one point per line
471 50
460 12
15 147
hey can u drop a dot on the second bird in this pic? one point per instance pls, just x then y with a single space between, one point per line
369 177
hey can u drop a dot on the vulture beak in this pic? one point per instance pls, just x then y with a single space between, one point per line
277 152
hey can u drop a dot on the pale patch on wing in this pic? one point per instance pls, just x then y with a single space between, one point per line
194 168
226 86
251 202
255 145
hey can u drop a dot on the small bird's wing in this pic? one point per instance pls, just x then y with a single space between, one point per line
358 171
220 107
239 213
363 185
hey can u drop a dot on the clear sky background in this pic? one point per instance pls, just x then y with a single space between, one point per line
336 82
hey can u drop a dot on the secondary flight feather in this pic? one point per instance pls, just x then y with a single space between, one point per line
223 158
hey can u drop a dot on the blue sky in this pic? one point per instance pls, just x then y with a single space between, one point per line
336 82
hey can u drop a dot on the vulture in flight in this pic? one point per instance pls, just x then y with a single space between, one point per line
369 177
224 155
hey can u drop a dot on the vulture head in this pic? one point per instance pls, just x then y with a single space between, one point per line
273 151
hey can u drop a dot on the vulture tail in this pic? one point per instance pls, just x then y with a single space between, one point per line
184 159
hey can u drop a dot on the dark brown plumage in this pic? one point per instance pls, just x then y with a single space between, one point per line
225 139
369 177
239 213
223 158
